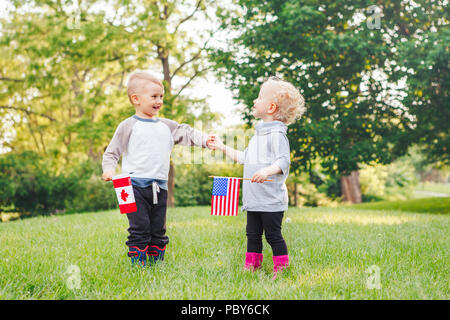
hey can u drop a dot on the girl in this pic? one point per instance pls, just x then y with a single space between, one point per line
268 155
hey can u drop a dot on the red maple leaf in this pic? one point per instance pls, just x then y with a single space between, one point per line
124 195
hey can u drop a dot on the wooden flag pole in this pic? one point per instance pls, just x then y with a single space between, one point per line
236 177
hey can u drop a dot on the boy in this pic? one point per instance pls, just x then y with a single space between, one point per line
146 142
279 103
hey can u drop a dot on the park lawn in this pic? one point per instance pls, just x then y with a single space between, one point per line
425 205
331 253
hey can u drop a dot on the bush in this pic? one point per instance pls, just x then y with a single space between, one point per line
307 193
29 186
193 185
388 182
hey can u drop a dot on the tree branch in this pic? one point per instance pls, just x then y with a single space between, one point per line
198 72
199 2
195 57
10 79
29 112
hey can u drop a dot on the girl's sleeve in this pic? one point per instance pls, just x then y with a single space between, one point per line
241 156
282 152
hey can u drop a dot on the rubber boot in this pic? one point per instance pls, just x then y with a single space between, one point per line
138 256
279 264
155 254
253 261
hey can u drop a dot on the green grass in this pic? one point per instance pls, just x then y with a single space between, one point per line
330 252
424 205
434 187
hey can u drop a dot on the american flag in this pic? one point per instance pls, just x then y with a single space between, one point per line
225 196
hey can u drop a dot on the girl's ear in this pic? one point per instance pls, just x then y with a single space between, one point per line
272 108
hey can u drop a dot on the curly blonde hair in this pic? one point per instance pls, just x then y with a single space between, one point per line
290 102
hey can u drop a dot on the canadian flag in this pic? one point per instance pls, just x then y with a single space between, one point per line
124 192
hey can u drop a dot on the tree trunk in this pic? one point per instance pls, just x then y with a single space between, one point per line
295 195
171 186
350 188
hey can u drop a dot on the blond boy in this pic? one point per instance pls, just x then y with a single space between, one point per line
145 143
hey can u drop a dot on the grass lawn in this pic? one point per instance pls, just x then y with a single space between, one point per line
425 205
331 254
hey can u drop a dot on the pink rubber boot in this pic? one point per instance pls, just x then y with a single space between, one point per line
279 263
253 260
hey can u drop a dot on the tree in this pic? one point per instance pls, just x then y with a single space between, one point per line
177 50
332 52
419 45
64 64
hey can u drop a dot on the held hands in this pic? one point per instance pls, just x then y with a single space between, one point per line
214 142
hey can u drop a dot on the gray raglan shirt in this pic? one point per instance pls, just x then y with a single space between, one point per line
146 145
268 146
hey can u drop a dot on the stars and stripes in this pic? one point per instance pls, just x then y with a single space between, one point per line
225 196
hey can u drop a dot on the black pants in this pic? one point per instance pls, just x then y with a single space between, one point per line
148 223
270 223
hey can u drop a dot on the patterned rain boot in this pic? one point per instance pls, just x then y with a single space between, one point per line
155 254
253 261
138 256
279 263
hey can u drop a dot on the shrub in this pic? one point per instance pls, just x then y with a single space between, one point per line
29 185
193 185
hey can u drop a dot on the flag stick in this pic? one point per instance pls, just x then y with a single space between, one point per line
236 177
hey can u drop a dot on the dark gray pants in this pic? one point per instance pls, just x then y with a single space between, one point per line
148 223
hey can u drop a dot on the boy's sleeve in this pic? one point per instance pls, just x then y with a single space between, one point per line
117 145
186 135
282 152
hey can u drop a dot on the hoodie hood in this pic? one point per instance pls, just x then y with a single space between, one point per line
269 127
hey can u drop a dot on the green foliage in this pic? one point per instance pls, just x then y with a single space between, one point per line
193 185
332 60
304 193
420 55
388 182
347 72
29 186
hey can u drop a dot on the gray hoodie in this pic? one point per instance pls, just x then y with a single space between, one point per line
268 146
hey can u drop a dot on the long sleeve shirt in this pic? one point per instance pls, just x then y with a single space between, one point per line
268 146
146 146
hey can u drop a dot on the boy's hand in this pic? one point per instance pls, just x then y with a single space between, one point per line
260 176
214 142
107 176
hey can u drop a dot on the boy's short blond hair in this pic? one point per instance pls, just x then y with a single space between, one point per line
290 102
138 79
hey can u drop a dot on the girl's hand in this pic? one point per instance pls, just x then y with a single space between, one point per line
260 176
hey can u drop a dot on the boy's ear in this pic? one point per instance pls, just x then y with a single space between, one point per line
134 98
272 108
